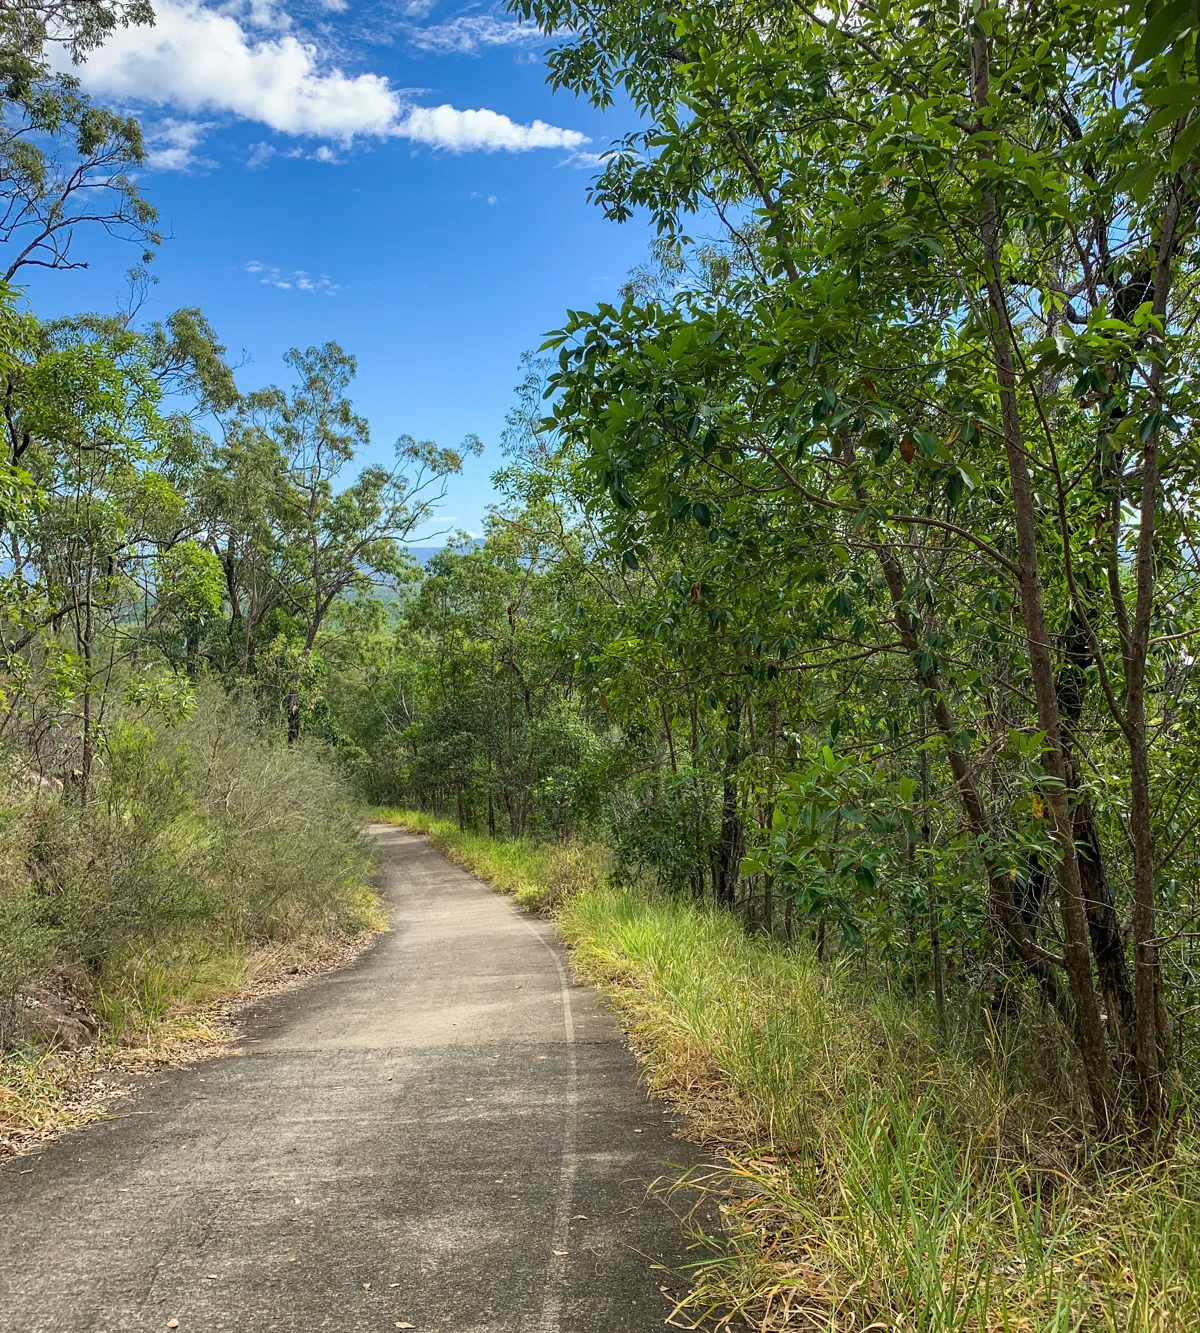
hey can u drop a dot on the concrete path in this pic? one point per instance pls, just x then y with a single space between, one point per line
448 1134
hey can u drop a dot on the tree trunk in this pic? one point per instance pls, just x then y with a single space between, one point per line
729 852
293 716
1104 925
935 917
1152 1037
1089 1029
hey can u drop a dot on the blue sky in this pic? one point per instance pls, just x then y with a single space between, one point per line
397 177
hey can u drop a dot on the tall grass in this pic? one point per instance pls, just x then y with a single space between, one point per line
871 1174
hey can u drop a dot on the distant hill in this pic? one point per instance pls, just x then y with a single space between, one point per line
424 554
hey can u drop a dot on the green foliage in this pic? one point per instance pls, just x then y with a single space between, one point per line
667 833
466 701
209 828
908 449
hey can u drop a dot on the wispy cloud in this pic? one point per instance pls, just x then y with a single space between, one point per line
297 280
171 146
585 160
468 34
247 62
262 153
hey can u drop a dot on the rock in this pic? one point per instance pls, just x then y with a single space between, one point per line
54 1019
43 783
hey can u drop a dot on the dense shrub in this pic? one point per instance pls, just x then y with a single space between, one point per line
209 826
666 831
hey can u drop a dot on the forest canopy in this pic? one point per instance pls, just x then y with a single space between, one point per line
860 533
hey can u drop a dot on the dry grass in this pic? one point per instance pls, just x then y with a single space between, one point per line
161 1008
870 1175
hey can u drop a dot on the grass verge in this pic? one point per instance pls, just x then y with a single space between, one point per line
871 1174
170 1004
541 876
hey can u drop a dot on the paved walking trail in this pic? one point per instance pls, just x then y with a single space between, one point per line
446 1135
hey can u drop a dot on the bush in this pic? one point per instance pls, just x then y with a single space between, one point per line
665 832
210 829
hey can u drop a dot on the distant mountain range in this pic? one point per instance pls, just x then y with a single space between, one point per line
424 554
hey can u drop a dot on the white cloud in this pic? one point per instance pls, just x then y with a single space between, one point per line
298 280
586 160
469 33
258 13
201 60
198 59
171 146
464 131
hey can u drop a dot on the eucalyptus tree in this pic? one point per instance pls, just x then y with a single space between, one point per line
64 162
88 553
334 540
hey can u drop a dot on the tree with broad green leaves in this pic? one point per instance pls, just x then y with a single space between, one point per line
958 330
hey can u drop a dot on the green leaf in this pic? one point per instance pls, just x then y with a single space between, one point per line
1178 95
1162 29
1185 145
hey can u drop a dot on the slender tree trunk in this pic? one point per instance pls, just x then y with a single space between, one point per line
730 848
1152 1038
1104 925
697 798
87 644
931 896
1089 1028
666 717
